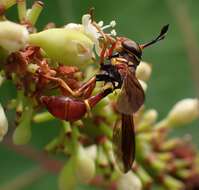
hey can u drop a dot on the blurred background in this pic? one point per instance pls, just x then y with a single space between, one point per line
175 63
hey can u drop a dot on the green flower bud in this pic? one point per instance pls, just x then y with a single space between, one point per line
184 112
91 151
85 166
150 116
129 181
3 123
22 133
68 47
172 183
12 36
67 179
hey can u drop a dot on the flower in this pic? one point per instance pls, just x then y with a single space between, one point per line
129 181
3 123
91 31
13 37
184 112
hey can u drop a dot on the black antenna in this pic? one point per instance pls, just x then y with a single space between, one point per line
161 36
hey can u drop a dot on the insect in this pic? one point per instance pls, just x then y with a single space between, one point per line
70 109
123 58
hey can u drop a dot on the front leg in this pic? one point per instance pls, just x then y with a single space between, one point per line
85 90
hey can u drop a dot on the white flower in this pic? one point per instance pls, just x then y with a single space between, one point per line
184 111
12 36
91 31
129 181
143 71
3 123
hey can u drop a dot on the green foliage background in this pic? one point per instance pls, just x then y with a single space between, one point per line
140 20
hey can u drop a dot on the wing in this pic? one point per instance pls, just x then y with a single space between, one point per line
132 95
124 142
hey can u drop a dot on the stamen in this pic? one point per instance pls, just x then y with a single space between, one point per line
111 25
113 32
100 23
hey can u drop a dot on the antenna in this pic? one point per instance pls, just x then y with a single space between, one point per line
161 36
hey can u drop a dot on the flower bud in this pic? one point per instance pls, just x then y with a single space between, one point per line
129 181
85 166
22 133
184 111
3 123
150 116
91 151
67 179
69 47
12 36
143 71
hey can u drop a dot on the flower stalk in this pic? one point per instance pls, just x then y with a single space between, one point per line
34 12
21 5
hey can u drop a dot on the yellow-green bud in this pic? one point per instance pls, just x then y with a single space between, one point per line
3 123
85 166
67 179
184 112
91 151
143 71
12 36
22 133
69 47
129 181
150 116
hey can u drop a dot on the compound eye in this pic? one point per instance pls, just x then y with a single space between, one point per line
132 47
